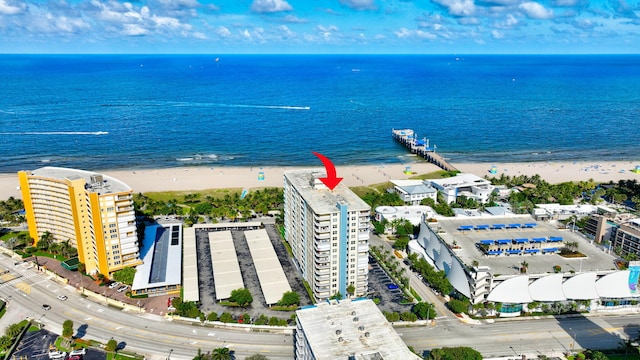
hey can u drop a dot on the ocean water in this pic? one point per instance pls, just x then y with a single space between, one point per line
102 112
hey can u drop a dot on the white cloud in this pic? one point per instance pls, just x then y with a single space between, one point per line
458 7
11 8
223 32
497 34
508 23
404 33
360 4
134 30
535 10
270 6
175 4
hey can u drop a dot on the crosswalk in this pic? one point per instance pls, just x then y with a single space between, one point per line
18 280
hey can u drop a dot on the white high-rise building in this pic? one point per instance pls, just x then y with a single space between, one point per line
328 231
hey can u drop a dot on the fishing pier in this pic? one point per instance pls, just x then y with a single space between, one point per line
408 138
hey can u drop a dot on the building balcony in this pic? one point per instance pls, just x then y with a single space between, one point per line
322 246
321 217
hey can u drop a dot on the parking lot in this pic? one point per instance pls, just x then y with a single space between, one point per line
35 345
208 302
381 286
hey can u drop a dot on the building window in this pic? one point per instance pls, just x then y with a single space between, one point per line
112 226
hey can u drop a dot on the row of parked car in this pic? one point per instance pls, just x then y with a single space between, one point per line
115 284
73 355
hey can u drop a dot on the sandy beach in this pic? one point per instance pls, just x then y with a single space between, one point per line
201 178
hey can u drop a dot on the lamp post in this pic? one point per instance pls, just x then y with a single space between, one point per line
573 338
514 350
169 356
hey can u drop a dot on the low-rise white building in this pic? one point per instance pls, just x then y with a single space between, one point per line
464 184
412 192
412 213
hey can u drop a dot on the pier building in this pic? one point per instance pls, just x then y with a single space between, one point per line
328 232
93 212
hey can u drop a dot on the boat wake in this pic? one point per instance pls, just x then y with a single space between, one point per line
56 133
285 107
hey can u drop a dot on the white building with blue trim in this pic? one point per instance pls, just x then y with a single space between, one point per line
328 231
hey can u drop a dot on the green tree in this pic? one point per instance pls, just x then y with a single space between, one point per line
112 345
221 353
225 317
125 275
67 329
13 330
408 316
351 289
458 306
289 298
455 353
241 297
401 243
424 310
337 296
213 316
5 342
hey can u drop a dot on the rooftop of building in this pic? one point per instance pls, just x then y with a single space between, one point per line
161 253
467 251
461 180
95 182
319 197
339 329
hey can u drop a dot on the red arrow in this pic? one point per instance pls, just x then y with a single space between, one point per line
331 180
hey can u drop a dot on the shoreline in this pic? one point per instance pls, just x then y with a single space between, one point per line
219 177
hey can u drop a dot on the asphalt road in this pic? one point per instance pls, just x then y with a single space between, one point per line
156 337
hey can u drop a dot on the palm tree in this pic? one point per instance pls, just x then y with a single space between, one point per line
221 353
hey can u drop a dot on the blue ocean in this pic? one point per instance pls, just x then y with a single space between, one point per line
101 112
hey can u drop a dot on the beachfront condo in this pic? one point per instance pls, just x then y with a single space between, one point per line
93 212
328 231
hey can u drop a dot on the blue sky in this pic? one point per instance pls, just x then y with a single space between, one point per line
320 26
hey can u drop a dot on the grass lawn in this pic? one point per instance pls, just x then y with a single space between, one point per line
165 196
10 235
123 356
440 174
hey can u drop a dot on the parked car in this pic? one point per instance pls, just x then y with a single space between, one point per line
75 357
46 307
123 288
57 355
78 352
114 285
62 297
392 286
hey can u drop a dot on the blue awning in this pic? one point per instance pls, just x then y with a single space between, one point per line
539 240
487 242
465 227
521 240
514 251
482 227
494 252
531 251
497 226
555 238
504 241
513 225
550 249
530 225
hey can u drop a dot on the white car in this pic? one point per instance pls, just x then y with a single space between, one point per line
55 355
125 287
62 297
78 352
114 285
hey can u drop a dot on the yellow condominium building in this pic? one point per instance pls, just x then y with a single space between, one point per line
94 212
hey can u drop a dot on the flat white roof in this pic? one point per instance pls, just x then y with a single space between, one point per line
273 280
460 180
161 254
96 182
337 330
190 290
224 260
